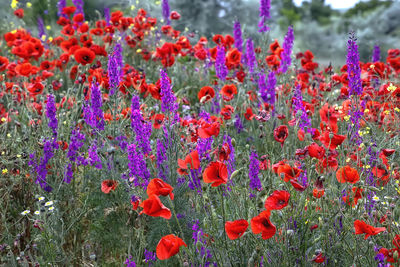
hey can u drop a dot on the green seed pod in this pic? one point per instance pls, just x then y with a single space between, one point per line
331 135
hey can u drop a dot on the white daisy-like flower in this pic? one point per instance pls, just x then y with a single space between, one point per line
375 198
25 212
48 203
37 212
51 208
40 199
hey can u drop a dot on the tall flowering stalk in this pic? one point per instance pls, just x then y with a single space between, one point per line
51 113
287 50
373 154
107 17
94 159
79 7
220 64
299 111
168 99
265 6
40 169
137 166
353 66
250 56
115 65
93 113
376 54
162 160
165 11
41 30
237 34
254 169
141 127
60 5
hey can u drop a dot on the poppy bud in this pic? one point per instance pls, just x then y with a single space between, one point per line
233 141
396 255
331 135
235 173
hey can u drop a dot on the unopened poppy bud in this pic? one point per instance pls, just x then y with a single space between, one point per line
396 255
247 146
233 141
235 173
385 223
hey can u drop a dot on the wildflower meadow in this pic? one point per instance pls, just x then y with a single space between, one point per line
126 142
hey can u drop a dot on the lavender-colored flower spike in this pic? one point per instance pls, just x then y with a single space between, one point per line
141 128
287 50
51 113
168 99
265 6
165 11
220 67
254 168
250 57
41 30
60 5
107 16
271 83
94 114
79 7
115 65
376 54
353 66
237 34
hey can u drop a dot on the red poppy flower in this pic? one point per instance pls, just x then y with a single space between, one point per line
290 173
236 229
278 200
281 133
108 185
192 160
19 13
347 174
153 207
68 10
233 58
216 173
249 115
227 111
362 227
318 193
316 151
209 129
169 246
320 258
297 186
84 56
262 224
158 120
159 188
333 142
3 63
223 152
175 15
353 198
228 91
205 94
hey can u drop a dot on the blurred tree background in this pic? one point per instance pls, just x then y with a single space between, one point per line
317 26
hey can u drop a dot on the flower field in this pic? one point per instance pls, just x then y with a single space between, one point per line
125 142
